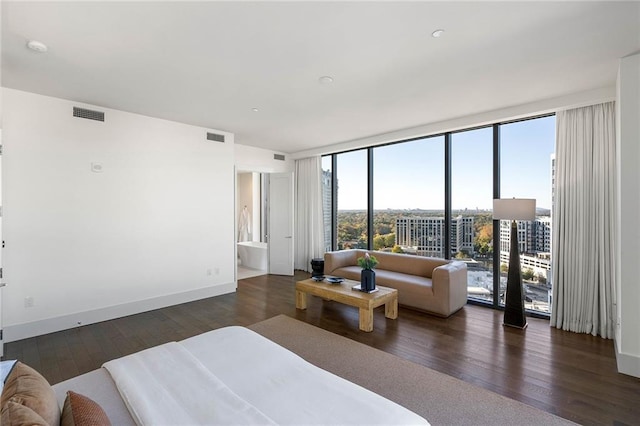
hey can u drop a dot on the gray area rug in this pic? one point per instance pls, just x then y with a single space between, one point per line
441 399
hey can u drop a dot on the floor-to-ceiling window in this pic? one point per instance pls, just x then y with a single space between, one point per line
327 209
352 199
526 153
408 197
471 208
433 197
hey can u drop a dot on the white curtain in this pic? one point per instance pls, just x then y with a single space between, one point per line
309 218
583 259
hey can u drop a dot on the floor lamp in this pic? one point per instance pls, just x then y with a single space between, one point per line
514 209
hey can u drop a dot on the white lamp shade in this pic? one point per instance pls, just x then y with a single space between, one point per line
514 209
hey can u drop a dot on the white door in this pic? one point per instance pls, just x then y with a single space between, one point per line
1 247
280 233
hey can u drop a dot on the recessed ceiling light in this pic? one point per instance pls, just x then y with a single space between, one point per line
325 79
37 46
437 33
255 109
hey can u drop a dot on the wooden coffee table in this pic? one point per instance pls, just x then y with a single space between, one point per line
343 293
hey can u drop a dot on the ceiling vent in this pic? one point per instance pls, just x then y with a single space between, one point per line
278 157
215 137
88 114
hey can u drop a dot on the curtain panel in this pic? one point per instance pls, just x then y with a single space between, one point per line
583 259
309 217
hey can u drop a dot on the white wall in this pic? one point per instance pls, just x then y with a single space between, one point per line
155 228
628 286
251 159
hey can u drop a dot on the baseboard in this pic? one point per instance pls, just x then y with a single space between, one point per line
65 322
627 364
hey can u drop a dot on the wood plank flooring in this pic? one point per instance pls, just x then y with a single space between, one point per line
567 374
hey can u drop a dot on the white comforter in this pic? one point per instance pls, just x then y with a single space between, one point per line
236 376
168 385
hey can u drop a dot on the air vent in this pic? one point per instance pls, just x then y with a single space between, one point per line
278 157
215 137
88 114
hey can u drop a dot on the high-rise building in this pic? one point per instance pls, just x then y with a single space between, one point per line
425 235
534 242
533 236
326 208
462 235
553 180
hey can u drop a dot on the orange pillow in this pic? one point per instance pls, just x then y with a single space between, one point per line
25 386
18 414
78 410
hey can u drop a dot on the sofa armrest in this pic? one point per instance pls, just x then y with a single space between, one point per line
339 259
450 283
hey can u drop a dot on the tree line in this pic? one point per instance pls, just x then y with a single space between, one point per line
352 228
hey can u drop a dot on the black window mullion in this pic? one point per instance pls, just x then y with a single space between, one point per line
496 223
370 199
447 195
334 201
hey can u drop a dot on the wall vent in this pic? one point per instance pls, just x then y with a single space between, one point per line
215 137
278 157
88 114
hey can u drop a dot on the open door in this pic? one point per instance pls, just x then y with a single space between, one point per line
280 232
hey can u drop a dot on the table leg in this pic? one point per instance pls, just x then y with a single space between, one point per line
366 319
391 309
301 300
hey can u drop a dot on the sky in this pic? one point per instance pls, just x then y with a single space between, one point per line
410 175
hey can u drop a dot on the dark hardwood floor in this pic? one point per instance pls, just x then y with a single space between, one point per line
568 374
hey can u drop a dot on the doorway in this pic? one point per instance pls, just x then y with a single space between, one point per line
252 247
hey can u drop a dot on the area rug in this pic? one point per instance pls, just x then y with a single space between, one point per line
441 399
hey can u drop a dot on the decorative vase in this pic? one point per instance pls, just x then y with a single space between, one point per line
367 280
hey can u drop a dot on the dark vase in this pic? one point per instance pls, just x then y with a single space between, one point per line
367 280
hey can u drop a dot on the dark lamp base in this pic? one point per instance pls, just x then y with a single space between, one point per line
516 326
514 299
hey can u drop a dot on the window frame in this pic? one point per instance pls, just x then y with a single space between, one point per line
447 159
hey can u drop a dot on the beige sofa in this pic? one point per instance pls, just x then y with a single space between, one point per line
437 286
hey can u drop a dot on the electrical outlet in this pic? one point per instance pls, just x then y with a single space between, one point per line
28 302
208 272
217 271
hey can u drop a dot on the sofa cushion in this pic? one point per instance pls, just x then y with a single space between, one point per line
393 279
408 264
412 289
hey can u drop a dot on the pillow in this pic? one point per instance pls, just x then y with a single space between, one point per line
17 414
25 386
78 410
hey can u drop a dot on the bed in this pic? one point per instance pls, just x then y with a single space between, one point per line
228 376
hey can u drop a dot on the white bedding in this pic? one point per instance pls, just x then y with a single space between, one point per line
162 385
276 384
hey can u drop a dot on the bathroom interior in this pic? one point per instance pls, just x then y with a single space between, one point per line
251 247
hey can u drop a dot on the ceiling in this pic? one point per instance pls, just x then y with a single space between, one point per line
210 63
